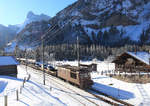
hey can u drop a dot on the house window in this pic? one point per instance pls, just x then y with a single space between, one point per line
73 75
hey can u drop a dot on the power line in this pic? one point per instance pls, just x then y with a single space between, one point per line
42 38
58 30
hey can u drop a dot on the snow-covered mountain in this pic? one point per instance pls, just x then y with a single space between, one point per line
9 33
106 22
6 34
31 17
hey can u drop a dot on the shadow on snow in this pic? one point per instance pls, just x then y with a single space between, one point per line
3 85
114 92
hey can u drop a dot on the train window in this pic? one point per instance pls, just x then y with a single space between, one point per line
84 75
73 75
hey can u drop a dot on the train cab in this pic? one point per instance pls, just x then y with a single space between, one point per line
79 76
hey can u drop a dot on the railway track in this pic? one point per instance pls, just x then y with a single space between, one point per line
109 99
54 79
99 95
72 90
61 90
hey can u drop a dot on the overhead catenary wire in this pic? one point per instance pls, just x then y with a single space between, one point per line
58 30
42 38
55 32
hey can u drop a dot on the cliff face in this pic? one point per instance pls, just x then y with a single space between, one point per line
6 34
31 17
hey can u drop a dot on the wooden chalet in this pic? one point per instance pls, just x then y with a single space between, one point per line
133 62
8 66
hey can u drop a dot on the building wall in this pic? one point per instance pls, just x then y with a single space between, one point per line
8 70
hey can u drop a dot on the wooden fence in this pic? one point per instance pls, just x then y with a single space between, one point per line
15 92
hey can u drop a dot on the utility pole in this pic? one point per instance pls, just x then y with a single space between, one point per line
26 58
43 61
78 49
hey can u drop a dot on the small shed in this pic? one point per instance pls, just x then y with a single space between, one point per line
133 62
8 66
91 67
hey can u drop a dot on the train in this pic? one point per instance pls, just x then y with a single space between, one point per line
78 76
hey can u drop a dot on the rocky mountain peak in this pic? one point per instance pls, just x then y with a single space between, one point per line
30 14
35 17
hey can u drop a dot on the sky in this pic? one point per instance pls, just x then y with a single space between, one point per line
14 12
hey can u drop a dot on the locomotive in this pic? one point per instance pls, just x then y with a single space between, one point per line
79 76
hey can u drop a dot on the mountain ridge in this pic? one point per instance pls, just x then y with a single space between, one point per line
104 22
8 33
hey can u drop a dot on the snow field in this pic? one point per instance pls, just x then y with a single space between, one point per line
58 93
133 93
77 94
34 93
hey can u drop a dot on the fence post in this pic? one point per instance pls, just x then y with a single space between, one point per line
5 100
119 73
147 73
23 85
20 89
50 88
106 73
114 72
118 92
24 80
139 74
28 77
101 72
17 95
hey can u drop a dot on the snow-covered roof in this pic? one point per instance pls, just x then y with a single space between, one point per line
142 56
8 60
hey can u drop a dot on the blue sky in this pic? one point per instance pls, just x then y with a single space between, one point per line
15 11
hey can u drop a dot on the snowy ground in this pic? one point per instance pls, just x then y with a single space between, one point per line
134 93
36 94
32 94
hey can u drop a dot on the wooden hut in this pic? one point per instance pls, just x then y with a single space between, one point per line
8 66
133 62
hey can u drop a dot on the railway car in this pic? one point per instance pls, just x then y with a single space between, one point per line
79 76
51 70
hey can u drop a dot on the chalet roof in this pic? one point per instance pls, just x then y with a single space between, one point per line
8 60
142 56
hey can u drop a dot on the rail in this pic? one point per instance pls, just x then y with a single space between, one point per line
117 100
113 100
56 80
